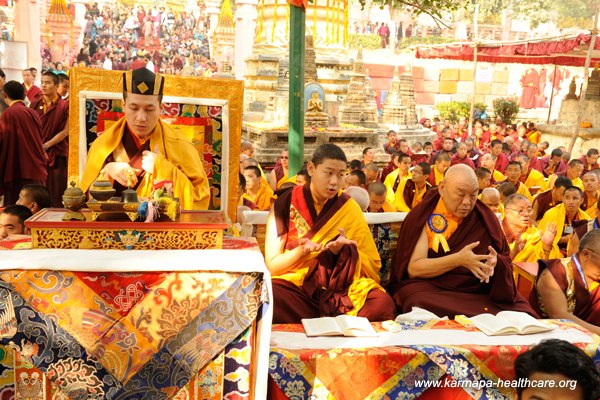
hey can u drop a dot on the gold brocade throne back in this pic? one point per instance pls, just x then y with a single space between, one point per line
207 111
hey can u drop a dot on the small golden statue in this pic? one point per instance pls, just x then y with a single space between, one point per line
314 115
315 105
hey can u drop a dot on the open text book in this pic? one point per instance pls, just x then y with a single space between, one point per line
342 325
509 323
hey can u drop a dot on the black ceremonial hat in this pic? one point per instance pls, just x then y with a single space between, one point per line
143 81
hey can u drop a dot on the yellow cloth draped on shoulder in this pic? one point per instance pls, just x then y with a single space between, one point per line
558 215
366 277
263 197
178 161
534 248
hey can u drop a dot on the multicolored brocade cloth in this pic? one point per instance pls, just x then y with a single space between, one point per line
157 335
391 372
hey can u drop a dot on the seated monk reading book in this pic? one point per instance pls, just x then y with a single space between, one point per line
568 288
319 249
452 257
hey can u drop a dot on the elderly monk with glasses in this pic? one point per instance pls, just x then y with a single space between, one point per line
527 243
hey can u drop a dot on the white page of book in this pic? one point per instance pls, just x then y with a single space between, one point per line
490 323
441 337
521 320
320 326
354 325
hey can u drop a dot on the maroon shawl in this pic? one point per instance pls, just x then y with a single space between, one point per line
587 305
329 276
544 202
409 191
22 155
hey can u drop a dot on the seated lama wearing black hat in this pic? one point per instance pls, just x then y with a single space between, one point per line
144 149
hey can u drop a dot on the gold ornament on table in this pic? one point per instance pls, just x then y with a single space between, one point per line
73 200
103 203
102 189
129 195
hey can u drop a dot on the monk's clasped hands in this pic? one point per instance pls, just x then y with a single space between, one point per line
481 265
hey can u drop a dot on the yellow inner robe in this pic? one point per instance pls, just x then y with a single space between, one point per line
498 176
389 184
534 248
558 214
400 203
536 178
183 165
263 197
366 278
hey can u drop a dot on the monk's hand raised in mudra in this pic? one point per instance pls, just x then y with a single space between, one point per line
309 246
491 263
481 265
336 245
120 172
548 237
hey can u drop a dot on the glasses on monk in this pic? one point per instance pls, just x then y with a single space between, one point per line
526 211
284 157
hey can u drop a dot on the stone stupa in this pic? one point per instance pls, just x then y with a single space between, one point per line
360 107
399 105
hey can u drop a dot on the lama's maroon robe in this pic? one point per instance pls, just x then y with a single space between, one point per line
545 162
54 120
501 163
22 157
545 202
34 93
535 163
586 166
457 291
587 305
465 160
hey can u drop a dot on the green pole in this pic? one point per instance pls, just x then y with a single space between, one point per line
296 96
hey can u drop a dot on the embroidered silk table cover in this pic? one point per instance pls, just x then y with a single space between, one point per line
392 372
87 324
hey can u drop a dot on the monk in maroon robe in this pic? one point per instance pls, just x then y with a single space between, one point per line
461 156
452 257
54 114
32 92
22 157
320 251
499 156
553 163
550 198
568 288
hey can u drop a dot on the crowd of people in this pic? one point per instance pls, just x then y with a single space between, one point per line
119 37
475 202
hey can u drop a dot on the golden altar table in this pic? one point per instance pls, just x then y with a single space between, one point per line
190 230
